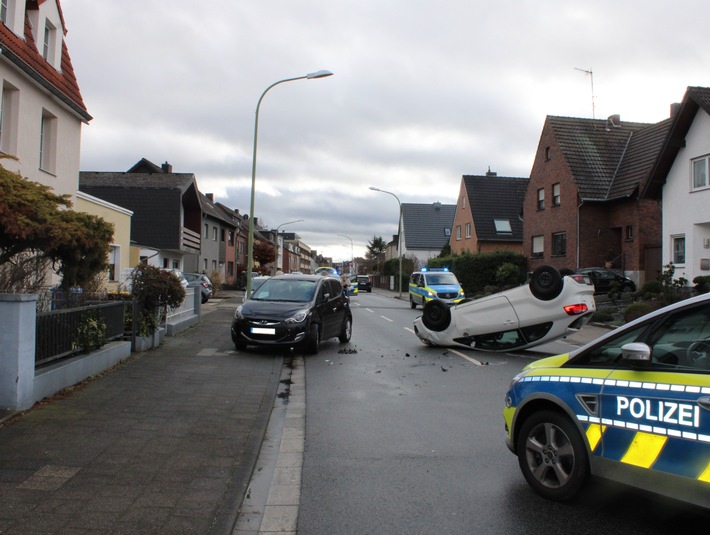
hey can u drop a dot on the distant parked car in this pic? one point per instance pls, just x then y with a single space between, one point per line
364 283
602 278
179 274
204 283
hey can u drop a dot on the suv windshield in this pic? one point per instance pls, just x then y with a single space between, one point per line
285 290
441 278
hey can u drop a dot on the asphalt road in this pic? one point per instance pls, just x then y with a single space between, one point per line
401 438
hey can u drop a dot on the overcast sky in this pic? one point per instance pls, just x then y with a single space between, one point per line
423 92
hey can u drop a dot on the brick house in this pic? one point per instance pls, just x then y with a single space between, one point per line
583 206
488 214
680 180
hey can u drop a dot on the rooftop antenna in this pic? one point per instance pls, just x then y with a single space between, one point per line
591 77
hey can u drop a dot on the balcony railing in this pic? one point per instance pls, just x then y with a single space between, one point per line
190 241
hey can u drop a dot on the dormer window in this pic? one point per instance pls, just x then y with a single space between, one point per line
503 226
49 42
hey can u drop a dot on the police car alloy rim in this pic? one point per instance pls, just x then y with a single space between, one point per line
552 456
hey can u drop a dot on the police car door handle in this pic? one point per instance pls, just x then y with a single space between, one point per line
704 402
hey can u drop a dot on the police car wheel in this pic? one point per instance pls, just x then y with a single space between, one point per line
546 283
412 304
436 316
552 455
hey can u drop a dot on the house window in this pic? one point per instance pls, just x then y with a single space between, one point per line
206 234
49 44
447 232
204 264
503 226
9 111
176 264
538 244
559 244
3 11
540 199
214 265
629 232
222 233
700 173
468 230
547 153
463 201
214 233
230 237
458 232
556 194
113 262
678 247
48 142
166 263
230 268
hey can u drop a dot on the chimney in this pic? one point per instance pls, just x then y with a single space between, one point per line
675 108
210 196
491 173
437 206
167 168
614 121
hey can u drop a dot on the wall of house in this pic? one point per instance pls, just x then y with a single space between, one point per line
462 217
686 212
121 220
545 172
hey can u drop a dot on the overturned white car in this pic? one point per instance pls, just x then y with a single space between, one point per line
549 307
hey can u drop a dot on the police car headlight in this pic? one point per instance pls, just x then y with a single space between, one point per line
461 293
430 293
299 317
238 313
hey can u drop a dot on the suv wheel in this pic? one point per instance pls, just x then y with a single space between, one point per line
313 339
347 331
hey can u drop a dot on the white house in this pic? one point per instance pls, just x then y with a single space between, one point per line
681 176
42 109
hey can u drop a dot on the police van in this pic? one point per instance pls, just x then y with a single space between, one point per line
632 406
434 283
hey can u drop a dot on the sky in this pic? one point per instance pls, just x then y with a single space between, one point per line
422 93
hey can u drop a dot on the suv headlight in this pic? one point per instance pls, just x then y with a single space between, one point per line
299 317
238 313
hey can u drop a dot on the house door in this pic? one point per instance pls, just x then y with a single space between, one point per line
654 263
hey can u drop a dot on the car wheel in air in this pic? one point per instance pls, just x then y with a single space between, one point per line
546 283
313 339
347 331
552 455
436 316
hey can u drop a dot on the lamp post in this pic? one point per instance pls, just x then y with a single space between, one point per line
399 234
352 256
277 243
250 247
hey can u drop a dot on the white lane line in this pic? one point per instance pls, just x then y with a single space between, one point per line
386 318
369 310
470 359
410 330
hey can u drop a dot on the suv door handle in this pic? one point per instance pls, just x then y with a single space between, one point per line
704 402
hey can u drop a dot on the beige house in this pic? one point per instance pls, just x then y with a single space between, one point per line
120 248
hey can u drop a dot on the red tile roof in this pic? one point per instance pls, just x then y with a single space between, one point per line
25 55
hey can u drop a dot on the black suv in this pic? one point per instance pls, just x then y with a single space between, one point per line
293 310
364 283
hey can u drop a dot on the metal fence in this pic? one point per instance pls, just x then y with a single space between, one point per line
56 330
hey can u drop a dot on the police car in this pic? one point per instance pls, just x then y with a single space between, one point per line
549 307
434 283
632 406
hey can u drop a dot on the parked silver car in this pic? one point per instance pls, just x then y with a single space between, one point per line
203 282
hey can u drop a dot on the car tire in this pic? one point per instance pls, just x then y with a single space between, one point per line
436 316
313 339
552 455
546 283
347 331
412 304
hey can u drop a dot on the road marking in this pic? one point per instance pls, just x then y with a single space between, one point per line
369 310
386 318
470 359
410 330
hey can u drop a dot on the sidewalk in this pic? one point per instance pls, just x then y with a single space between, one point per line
164 443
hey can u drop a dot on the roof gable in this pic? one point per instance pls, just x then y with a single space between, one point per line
492 198
695 99
23 53
425 225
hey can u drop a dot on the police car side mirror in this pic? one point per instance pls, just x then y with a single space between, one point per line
636 352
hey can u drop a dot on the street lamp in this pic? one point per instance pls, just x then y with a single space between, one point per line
250 248
399 234
352 255
277 243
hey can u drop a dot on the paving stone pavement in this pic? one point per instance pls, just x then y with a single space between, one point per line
164 443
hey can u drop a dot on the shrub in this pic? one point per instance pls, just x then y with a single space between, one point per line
154 288
90 335
651 288
602 316
636 310
702 284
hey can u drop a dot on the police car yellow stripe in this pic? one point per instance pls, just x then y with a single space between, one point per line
644 450
705 475
594 435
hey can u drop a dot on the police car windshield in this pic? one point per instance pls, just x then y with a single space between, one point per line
441 278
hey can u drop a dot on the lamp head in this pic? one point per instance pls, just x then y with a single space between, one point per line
319 74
